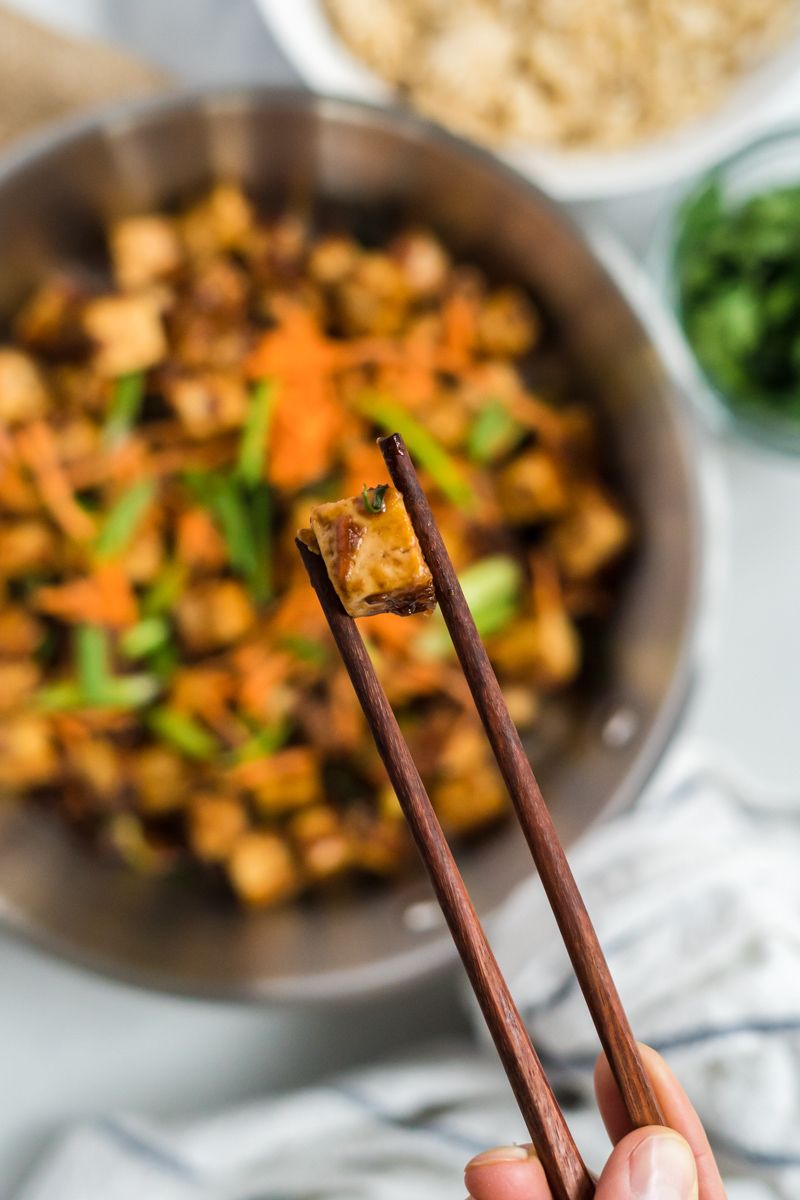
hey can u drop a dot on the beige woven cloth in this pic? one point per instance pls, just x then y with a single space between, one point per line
44 75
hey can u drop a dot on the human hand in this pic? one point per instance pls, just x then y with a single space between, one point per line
645 1164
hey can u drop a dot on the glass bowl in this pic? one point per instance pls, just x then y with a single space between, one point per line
771 162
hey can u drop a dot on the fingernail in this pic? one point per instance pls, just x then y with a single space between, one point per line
662 1167
502 1154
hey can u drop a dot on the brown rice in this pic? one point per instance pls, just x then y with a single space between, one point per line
562 72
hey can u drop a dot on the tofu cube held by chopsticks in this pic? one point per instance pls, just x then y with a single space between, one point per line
372 554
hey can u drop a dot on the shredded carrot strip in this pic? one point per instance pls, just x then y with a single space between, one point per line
262 671
104 598
460 321
307 420
38 449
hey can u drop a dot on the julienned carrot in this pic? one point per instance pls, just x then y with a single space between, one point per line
307 418
459 319
38 449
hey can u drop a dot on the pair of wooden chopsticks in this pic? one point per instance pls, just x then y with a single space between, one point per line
563 1165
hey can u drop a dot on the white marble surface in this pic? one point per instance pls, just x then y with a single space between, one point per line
72 1044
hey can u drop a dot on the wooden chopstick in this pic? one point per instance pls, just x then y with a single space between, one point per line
563 1165
576 928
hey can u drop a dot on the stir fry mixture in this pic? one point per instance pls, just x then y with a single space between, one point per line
167 682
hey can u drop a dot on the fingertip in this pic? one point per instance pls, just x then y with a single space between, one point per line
653 1161
679 1114
507 1173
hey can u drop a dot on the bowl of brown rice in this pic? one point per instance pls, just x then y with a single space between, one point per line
589 100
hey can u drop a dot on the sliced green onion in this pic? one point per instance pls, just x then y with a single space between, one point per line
443 469
124 518
305 649
144 638
255 433
492 589
494 432
182 732
125 691
93 661
225 502
125 406
244 518
231 511
132 691
59 697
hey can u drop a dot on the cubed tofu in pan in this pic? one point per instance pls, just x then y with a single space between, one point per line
372 554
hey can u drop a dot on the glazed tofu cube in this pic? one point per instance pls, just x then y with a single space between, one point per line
261 869
207 403
592 535
18 682
531 488
127 333
372 554
160 779
216 822
282 782
507 324
26 546
221 221
27 755
144 250
23 395
213 615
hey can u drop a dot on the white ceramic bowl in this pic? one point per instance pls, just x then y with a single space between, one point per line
770 91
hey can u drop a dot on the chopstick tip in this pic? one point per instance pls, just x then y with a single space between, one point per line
391 445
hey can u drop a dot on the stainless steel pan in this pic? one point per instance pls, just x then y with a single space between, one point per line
594 750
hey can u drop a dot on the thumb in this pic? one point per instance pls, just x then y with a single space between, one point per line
650 1164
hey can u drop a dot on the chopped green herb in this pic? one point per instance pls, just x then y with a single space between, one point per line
182 732
142 639
738 274
373 498
124 519
255 433
125 406
494 432
492 589
443 469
